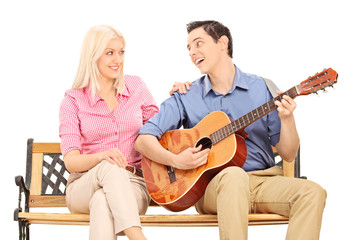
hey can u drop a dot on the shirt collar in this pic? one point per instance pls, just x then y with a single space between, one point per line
239 81
96 98
92 98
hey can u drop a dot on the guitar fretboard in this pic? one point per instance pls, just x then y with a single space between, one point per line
250 117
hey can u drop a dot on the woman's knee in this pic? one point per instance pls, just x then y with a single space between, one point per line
98 199
112 172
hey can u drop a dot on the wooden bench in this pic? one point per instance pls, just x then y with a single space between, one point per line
45 182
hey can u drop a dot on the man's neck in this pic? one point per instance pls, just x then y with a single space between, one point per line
222 78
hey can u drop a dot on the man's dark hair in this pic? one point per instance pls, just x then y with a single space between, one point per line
215 29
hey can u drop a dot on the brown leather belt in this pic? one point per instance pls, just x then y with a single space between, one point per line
134 170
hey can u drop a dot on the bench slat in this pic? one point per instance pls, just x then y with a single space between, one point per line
47 201
37 168
46 147
204 220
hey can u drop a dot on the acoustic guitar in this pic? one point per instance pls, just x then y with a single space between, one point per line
177 189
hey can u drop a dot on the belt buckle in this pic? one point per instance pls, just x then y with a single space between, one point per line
134 171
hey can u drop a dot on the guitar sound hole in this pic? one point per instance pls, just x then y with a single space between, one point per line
205 142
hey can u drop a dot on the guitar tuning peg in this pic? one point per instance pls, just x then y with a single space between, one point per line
333 87
325 91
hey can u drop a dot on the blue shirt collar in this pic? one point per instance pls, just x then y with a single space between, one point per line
239 81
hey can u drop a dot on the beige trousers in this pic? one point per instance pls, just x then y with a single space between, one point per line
113 196
233 193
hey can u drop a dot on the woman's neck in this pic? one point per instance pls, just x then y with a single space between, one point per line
106 88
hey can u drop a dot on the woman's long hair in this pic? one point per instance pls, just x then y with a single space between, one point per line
93 47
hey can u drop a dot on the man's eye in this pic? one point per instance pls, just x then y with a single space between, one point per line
199 43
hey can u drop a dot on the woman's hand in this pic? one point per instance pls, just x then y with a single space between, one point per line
181 87
114 156
77 162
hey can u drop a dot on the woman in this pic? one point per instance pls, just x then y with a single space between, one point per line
100 118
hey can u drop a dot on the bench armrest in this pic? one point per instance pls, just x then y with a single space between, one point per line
19 181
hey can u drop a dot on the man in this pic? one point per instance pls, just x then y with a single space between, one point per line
259 185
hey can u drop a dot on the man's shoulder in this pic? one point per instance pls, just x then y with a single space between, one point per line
254 81
251 78
196 89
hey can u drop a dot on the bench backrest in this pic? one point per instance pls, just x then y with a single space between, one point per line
46 175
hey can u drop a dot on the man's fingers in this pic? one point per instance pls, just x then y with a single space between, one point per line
201 160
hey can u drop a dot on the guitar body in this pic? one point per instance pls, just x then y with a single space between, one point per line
188 186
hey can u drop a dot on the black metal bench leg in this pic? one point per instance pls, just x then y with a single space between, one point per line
24 230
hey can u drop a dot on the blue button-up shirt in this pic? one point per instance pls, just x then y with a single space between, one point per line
248 92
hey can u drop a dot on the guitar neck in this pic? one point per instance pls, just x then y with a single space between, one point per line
250 117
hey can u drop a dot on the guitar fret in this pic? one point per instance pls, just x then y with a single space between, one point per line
238 125
251 118
222 133
217 136
227 130
246 119
243 121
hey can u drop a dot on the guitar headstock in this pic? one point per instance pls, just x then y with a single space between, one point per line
319 81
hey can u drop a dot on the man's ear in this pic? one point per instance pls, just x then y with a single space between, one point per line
224 40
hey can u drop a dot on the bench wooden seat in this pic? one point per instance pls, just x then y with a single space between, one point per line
45 182
176 220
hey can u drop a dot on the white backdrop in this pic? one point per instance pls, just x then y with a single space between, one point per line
286 41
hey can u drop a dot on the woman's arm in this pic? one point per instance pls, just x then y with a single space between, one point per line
77 162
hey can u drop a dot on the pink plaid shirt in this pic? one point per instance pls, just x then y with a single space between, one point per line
87 124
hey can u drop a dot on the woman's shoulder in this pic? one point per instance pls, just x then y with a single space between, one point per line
133 80
134 83
75 93
74 96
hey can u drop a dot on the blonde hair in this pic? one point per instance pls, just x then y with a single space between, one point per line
93 47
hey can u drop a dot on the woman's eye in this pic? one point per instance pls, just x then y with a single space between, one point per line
109 53
122 52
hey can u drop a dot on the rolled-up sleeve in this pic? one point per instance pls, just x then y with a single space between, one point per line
69 127
169 117
148 106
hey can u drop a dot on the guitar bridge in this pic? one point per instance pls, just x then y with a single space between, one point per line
171 173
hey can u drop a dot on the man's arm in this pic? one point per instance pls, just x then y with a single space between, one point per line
289 142
149 146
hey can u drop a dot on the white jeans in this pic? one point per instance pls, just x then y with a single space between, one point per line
113 196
